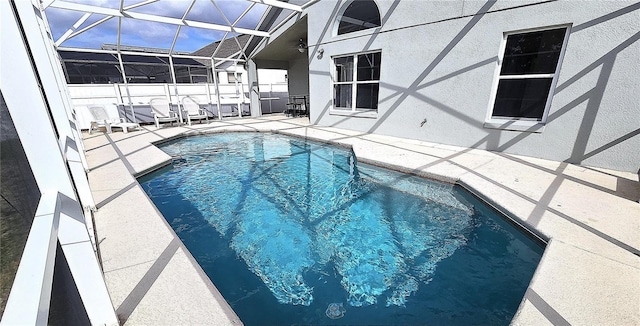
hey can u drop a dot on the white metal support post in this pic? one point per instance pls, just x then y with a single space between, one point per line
254 89
126 88
85 193
47 150
175 89
239 94
28 303
216 84
124 75
208 92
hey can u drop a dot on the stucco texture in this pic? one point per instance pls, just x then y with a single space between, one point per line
439 62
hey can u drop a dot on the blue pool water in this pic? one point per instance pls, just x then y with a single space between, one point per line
294 232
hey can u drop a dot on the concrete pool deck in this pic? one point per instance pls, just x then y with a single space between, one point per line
589 273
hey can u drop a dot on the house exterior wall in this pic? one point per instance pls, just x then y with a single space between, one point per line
223 76
299 76
439 62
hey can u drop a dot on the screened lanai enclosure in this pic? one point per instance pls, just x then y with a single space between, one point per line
60 56
198 49
548 88
128 80
104 68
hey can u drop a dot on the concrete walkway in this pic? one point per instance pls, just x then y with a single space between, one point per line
589 274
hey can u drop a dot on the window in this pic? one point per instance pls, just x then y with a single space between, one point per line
356 82
526 76
358 15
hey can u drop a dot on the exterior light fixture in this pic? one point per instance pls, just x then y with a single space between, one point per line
302 47
320 53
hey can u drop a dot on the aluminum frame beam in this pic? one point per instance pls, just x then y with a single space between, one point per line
279 4
153 18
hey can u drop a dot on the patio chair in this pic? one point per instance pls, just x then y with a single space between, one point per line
162 112
100 118
194 111
297 106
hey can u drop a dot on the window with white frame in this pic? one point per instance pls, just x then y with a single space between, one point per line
526 75
358 15
356 81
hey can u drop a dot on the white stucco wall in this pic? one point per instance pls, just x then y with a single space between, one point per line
299 76
438 63
272 76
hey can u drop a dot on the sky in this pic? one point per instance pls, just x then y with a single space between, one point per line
151 34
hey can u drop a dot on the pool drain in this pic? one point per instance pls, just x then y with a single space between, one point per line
335 310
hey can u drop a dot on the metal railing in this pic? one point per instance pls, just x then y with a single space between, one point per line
30 296
133 99
28 302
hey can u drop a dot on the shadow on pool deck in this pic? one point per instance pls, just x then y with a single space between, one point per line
590 210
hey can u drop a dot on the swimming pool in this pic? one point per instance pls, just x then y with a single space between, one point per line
297 232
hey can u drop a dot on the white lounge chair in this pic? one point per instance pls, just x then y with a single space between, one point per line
102 119
194 111
162 112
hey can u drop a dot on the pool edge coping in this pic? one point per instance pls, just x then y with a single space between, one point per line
427 175
226 307
510 217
